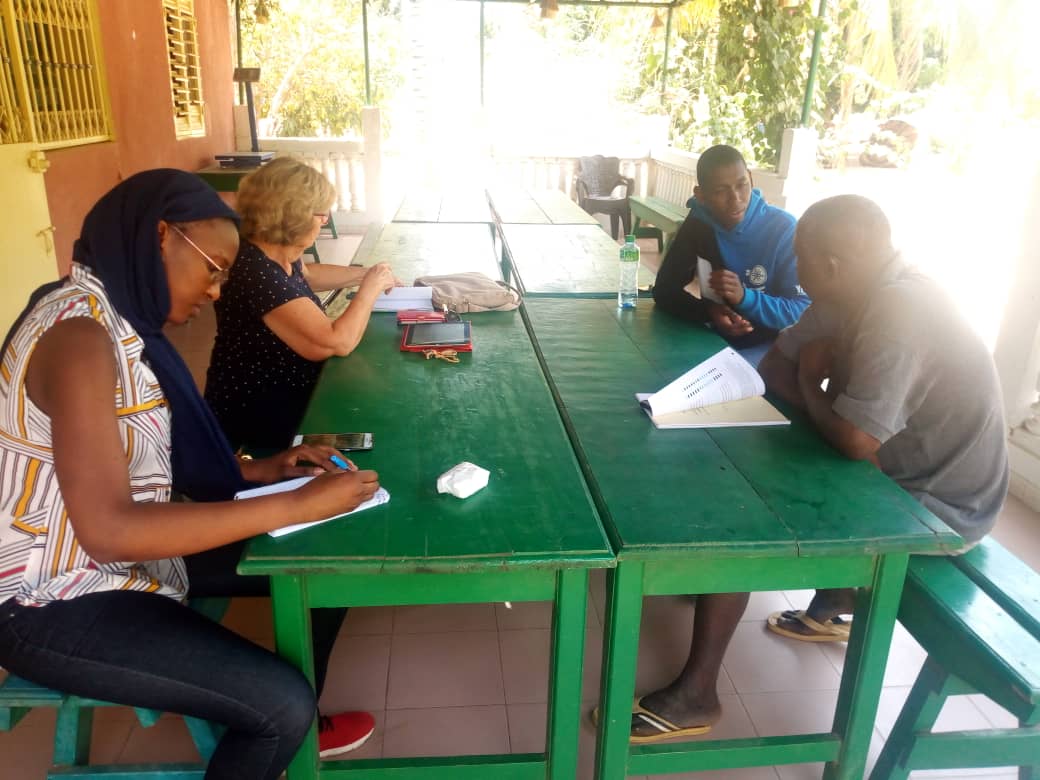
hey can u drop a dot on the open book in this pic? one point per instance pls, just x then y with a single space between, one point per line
380 497
725 390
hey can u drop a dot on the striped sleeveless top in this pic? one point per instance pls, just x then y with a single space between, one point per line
40 558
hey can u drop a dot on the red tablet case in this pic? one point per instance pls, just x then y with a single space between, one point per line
413 316
467 347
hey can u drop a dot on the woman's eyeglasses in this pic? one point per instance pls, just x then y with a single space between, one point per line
218 274
324 217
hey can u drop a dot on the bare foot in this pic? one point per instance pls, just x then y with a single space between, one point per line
830 603
827 606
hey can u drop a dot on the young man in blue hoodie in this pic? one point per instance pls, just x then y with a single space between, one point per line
750 246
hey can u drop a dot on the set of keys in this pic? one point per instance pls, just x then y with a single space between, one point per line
447 355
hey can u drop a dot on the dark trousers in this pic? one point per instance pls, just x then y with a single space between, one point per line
212 573
146 650
149 651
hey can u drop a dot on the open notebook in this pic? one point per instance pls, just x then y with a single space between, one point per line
380 497
724 390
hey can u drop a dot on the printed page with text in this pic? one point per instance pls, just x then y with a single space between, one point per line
724 390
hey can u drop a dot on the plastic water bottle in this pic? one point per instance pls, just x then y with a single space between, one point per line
628 277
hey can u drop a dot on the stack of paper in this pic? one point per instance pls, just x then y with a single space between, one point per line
405 298
724 390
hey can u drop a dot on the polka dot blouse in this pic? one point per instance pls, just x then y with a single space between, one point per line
257 385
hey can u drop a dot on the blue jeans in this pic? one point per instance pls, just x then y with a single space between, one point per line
212 573
145 650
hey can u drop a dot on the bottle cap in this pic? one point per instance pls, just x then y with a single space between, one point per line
630 238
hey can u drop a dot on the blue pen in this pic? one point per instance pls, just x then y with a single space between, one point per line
340 462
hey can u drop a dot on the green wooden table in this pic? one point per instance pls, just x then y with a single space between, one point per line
469 205
738 509
531 534
223 179
555 260
418 248
538 207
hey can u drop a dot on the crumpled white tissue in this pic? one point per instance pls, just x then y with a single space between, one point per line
463 480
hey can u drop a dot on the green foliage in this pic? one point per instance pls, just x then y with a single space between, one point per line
764 50
311 56
704 113
738 70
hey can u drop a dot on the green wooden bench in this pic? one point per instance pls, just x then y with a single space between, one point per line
665 217
330 226
74 724
978 617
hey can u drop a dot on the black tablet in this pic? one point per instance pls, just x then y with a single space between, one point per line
437 334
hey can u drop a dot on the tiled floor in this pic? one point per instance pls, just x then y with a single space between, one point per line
472 678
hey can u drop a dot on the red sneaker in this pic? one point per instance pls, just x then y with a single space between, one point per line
344 732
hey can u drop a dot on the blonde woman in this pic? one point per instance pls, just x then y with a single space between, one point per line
272 334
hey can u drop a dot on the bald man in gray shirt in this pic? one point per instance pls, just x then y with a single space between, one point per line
910 388
909 385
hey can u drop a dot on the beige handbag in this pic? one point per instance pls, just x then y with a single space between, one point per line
470 292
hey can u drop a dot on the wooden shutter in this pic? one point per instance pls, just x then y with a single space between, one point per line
185 77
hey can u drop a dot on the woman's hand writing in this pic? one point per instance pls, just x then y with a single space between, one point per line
334 494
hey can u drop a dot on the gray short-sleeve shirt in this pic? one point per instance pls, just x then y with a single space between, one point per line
910 372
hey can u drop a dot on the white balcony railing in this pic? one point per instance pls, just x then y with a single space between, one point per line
667 173
341 160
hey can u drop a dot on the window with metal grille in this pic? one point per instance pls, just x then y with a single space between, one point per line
182 44
52 89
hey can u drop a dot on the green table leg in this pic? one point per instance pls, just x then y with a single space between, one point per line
919 714
1032 771
618 681
72 733
875 617
292 632
568 648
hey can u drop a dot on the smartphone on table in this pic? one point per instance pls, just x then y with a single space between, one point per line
344 442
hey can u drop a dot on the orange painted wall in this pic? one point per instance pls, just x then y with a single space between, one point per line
134 50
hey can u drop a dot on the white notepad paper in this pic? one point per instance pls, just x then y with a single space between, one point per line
380 497
400 298
703 273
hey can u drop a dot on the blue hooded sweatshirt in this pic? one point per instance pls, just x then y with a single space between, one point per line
760 250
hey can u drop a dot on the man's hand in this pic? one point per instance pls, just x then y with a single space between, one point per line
727 322
727 285
814 363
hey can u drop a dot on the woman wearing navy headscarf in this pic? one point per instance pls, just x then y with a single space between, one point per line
99 419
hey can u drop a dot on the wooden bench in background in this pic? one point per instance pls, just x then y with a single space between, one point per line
978 617
663 215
